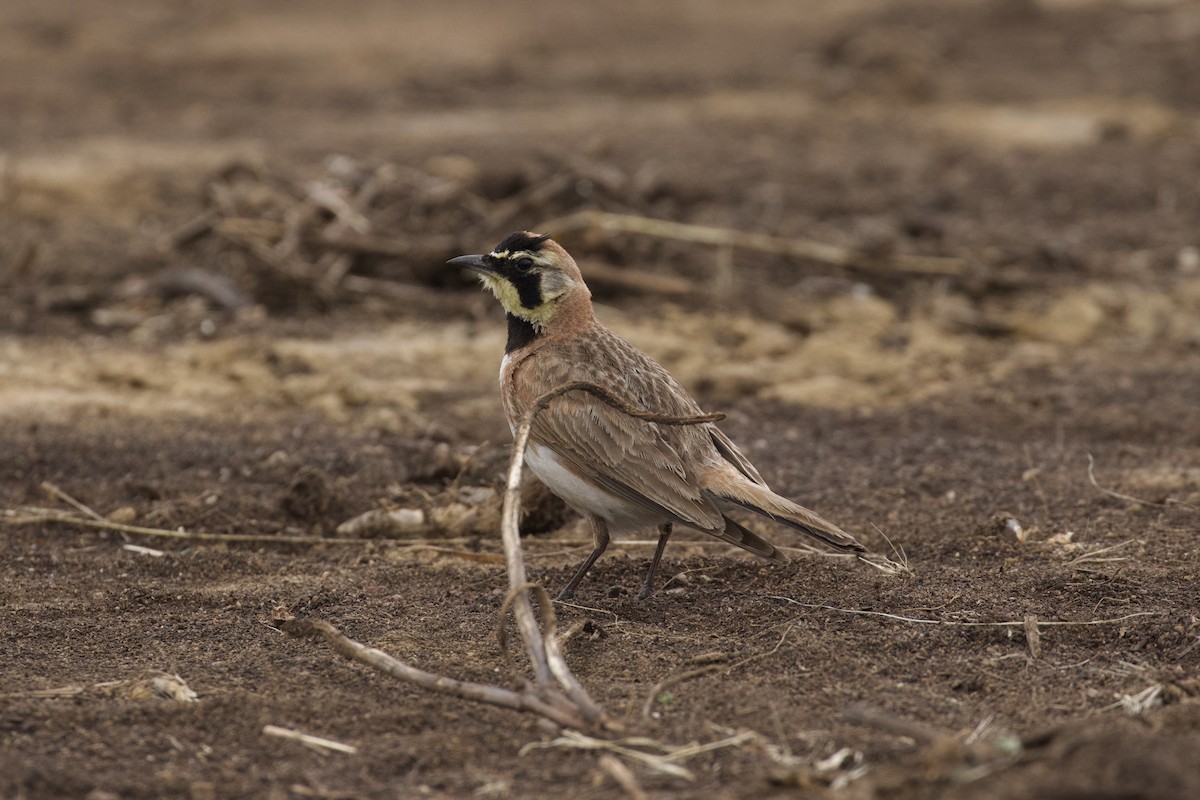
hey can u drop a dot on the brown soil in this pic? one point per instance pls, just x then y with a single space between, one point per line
206 383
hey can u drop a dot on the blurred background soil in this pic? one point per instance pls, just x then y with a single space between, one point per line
969 326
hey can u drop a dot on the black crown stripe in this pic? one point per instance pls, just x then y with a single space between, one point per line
521 240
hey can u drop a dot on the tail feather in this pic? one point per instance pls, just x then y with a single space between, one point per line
763 501
749 541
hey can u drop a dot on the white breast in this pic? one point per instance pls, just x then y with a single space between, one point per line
623 517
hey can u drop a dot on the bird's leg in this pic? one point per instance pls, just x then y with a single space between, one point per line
600 539
664 533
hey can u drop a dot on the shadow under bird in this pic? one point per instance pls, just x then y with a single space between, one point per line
621 473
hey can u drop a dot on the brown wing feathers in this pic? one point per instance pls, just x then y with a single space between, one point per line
626 456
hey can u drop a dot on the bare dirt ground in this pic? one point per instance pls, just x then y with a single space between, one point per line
222 226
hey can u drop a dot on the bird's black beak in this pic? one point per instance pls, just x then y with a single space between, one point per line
477 263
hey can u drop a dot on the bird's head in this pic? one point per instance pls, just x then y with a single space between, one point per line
531 275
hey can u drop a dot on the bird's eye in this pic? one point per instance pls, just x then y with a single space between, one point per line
524 264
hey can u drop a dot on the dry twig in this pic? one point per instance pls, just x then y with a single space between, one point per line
318 743
36 516
377 659
626 748
623 775
1102 555
40 516
71 501
660 687
748 240
1091 471
962 624
899 726
711 662
629 748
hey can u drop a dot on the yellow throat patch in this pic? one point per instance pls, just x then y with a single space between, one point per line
508 296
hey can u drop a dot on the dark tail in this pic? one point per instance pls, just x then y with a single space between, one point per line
749 541
763 501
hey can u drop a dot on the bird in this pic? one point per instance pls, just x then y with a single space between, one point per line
622 474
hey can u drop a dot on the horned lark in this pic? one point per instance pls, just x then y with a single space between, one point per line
621 473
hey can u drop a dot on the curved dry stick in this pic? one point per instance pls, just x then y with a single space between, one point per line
501 628
543 651
510 534
554 658
558 665
663 685
1091 473
377 659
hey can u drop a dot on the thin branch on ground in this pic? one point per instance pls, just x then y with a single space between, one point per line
57 692
623 747
34 516
1170 501
695 749
510 535
662 761
71 501
747 240
558 664
718 664
674 680
317 743
144 551
962 624
623 775
898 726
786 630
150 683
379 660
1102 555
37 516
